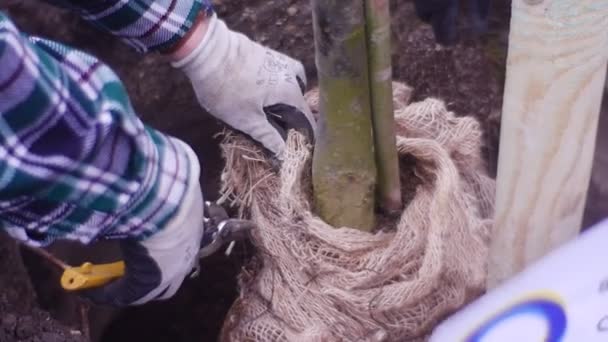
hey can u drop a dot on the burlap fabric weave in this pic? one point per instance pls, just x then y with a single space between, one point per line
313 282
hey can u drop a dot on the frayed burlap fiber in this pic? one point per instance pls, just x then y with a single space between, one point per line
309 281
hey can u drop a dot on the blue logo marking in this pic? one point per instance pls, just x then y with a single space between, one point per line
549 310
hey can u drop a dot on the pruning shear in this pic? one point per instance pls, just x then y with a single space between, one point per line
219 229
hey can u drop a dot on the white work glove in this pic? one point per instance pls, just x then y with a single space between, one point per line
251 88
157 266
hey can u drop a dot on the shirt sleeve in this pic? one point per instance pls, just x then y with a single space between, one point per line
75 160
147 25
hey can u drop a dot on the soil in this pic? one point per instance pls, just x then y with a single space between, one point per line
20 317
468 77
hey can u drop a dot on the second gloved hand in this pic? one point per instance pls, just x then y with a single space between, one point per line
157 265
253 89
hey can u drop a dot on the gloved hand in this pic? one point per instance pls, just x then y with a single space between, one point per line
157 266
251 88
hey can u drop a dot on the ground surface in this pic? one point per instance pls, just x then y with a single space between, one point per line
20 319
468 77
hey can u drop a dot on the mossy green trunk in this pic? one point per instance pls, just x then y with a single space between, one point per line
381 77
344 170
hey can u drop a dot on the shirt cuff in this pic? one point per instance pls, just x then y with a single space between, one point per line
147 25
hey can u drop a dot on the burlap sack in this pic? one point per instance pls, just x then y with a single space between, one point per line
313 282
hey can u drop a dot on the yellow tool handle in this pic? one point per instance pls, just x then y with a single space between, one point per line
89 276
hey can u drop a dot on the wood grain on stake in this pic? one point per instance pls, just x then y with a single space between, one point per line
555 74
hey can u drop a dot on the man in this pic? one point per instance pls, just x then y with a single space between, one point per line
76 162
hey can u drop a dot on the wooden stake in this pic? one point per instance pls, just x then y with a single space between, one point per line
555 75
344 170
378 28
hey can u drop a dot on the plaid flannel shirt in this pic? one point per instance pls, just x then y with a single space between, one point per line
75 161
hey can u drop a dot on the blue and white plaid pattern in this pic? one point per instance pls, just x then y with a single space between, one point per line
75 160
144 24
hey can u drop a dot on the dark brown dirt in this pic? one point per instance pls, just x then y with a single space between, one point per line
597 197
468 77
20 317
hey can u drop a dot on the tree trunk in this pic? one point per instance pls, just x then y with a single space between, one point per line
555 75
344 170
378 19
